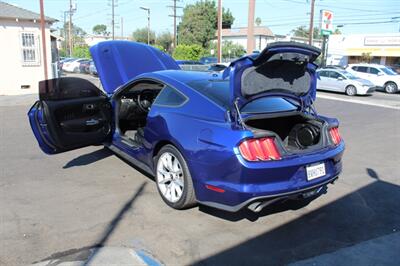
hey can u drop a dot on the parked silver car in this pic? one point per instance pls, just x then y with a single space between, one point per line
342 81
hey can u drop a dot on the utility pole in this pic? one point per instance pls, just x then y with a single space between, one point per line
174 8
122 27
70 28
112 19
219 41
250 26
65 31
311 29
43 28
148 22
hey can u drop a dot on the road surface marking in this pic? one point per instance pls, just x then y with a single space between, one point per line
358 101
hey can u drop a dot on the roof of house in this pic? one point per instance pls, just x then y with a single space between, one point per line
263 31
14 12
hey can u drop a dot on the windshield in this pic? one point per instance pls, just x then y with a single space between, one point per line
388 71
348 75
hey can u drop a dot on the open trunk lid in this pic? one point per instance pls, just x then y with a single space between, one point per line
117 62
282 69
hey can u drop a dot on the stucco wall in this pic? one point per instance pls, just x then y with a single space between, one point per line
13 73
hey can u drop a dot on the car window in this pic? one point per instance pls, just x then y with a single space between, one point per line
268 105
348 75
323 73
215 90
360 69
373 70
388 71
170 97
334 75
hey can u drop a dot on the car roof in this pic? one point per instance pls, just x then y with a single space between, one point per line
367 65
188 76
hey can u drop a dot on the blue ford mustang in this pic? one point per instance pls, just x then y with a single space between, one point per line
245 138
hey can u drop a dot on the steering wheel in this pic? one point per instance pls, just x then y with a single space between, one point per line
144 100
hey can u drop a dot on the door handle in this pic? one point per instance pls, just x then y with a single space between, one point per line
92 122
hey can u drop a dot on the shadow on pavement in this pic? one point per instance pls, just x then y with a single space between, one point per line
89 158
88 253
367 213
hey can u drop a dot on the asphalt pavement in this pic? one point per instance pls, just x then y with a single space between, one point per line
66 208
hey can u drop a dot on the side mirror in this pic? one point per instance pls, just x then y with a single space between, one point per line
340 78
380 74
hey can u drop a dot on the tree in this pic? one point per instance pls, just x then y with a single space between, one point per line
100 29
302 31
81 51
366 57
229 49
159 47
78 36
258 21
165 40
188 52
199 23
337 31
140 35
227 19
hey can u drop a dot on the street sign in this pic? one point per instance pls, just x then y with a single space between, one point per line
326 25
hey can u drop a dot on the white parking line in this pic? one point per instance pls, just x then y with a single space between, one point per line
359 102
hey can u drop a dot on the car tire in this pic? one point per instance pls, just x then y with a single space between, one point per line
390 87
173 179
351 90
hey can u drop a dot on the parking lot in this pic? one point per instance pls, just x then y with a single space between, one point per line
56 208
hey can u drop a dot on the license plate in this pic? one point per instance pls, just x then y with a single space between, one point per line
315 171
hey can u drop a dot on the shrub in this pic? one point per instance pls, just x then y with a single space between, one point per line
188 52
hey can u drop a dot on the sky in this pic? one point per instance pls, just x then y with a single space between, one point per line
281 16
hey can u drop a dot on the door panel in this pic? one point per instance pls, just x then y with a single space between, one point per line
70 115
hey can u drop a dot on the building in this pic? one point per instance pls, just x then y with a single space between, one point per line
21 50
262 36
374 48
91 39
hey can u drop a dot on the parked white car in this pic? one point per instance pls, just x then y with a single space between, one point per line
383 77
337 80
72 66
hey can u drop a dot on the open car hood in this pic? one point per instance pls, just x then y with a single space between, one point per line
117 62
281 69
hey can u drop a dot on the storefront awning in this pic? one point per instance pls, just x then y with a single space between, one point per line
374 51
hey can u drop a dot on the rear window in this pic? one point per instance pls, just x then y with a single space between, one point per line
218 92
268 105
215 90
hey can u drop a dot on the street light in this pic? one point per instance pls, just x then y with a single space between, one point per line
148 22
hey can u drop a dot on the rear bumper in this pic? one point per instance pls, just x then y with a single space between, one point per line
270 198
246 182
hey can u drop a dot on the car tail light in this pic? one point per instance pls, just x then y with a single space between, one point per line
263 149
335 135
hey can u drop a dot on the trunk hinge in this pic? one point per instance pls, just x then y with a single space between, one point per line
238 115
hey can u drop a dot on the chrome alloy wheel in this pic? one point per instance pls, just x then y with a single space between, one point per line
170 179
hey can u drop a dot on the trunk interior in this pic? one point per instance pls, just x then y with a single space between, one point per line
296 133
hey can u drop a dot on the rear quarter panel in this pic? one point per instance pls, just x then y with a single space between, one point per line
199 129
